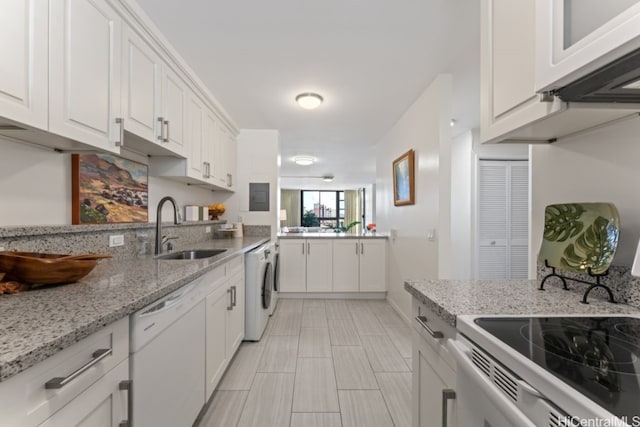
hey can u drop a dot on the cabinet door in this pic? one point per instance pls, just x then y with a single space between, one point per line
23 74
101 405
219 156
174 104
373 265
293 265
346 265
319 265
216 354
235 316
508 99
428 387
230 150
195 123
209 146
575 37
85 57
141 68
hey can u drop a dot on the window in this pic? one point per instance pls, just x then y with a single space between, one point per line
322 208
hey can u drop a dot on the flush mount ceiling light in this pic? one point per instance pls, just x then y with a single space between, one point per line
304 160
309 100
327 178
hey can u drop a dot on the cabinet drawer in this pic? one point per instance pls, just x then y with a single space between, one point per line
26 400
429 327
235 265
214 278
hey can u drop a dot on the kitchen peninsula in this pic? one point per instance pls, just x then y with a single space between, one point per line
328 264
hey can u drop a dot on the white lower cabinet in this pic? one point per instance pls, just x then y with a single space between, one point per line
359 265
434 375
346 265
329 264
319 265
293 265
49 394
104 404
224 327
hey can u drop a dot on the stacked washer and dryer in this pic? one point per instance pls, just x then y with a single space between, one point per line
261 272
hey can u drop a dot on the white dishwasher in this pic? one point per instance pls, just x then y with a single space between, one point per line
167 359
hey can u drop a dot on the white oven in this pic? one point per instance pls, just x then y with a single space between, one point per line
547 371
489 395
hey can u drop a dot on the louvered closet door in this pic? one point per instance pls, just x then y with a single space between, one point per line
503 219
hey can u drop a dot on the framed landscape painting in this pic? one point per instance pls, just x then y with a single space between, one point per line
108 189
404 179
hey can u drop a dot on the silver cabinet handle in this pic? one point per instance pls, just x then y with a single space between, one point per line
60 382
234 295
362 248
447 394
423 322
120 121
161 136
166 139
229 180
230 292
126 386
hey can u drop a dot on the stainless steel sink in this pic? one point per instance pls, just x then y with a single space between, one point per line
192 254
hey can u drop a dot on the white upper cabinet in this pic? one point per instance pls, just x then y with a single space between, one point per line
575 37
511 108
174 102
23 74
141 70
84 71
509 99
154 100
198 167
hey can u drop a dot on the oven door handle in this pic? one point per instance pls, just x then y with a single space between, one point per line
464 365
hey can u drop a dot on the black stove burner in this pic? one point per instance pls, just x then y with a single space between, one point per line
596 356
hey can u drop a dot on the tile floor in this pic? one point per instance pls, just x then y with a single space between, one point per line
320 363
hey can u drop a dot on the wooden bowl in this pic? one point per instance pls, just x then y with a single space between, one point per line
46 269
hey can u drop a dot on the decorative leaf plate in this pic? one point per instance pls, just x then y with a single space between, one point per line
579 236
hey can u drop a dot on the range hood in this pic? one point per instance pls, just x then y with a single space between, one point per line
618 81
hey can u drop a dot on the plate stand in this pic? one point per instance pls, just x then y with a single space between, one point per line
591 284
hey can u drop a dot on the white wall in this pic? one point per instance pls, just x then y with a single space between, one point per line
601 166
461 180
35 187
425 128
258 162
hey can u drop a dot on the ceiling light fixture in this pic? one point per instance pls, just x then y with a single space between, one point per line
304 160
453 122
327 178
309 100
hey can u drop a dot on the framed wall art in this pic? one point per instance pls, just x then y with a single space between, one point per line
404 179
108 189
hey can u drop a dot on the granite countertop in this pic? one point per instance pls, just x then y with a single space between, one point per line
330 235
451 298
41 322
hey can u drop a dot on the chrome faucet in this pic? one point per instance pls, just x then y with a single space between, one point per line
176 220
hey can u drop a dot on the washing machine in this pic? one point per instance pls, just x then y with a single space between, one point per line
275 254
258 291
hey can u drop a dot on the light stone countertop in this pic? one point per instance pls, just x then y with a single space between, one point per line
330 235
451 298
41 322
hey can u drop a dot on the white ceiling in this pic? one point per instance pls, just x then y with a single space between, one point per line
369 59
